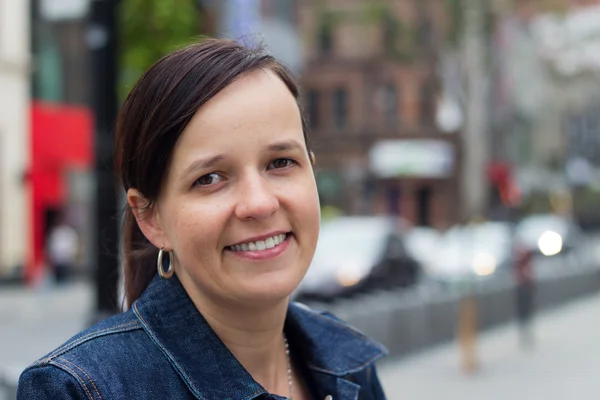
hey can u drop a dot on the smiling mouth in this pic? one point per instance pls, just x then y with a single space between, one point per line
260 245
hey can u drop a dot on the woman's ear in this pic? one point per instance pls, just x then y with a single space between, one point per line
313 159
148 219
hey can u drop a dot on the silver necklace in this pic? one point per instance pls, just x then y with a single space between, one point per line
289 365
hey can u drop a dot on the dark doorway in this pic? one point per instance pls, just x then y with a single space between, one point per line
51 218
424 195
393 196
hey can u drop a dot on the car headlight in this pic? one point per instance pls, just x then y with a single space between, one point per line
483 264
550 243
349 275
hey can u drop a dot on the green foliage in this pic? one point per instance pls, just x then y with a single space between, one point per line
148 30
329 19
402 44
454 11
375 11
371 12
404 38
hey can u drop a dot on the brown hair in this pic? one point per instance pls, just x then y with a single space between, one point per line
152 118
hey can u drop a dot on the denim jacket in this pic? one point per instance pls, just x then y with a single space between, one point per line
162 348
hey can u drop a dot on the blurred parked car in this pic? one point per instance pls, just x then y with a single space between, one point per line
421 242
357 254
471 251
548 234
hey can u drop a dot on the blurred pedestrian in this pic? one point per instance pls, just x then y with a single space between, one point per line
221 226
525 293
61 249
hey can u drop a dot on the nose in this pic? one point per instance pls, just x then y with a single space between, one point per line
256 198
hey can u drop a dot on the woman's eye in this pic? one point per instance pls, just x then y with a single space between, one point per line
281 163
208 179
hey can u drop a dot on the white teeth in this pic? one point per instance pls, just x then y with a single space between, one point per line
260 244
269 243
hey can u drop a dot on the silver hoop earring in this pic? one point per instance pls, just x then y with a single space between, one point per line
159 265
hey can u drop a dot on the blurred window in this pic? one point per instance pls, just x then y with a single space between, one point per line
284 9
390 103
312 108
389 32
61 58
280 9
424 30
340 107
427 103
325 38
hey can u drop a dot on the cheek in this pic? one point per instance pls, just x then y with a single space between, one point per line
192 227
305 200
311 192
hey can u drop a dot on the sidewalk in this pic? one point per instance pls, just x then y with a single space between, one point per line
33 322
564 363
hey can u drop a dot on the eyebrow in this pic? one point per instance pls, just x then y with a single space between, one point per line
203 163
287 145
206 163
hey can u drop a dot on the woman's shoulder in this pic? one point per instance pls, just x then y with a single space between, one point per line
105 337
85 365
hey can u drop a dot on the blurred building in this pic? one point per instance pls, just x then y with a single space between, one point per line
14 133
47 142
272 23
371 98
546 98
60 176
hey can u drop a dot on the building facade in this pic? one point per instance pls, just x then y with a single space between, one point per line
14 133
370 97
545 104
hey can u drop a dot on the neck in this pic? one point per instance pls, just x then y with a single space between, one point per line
254 335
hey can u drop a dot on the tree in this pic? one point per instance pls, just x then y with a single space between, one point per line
149 29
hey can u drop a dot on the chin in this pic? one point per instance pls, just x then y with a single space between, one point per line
269 290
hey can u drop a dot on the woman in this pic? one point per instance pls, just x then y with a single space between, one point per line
212 151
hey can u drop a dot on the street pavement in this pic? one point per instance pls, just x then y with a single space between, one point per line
564 363
35 321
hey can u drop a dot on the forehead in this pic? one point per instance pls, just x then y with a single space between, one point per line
257 108
254 100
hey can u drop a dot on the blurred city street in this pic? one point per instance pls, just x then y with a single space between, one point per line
457 168
563 363
35 321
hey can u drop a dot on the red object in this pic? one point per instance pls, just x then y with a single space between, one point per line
500 175
61 139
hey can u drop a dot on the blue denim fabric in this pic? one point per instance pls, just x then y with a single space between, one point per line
162 348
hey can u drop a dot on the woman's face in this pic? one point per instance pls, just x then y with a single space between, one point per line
239 207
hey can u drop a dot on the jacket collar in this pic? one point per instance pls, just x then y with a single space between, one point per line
330 345
331 348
